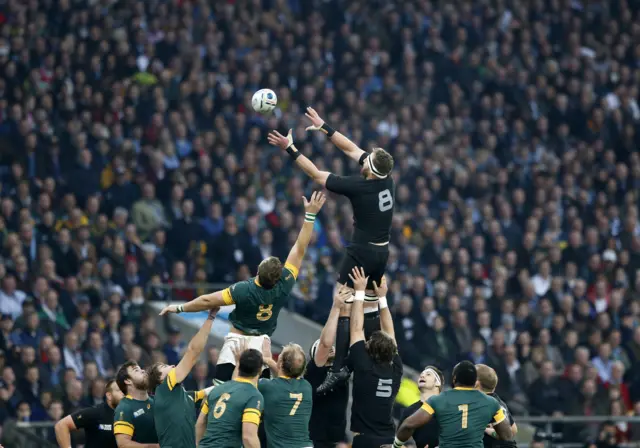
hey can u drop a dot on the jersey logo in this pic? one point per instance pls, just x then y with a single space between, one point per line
138 413
148 406
104 427
287 277
121 416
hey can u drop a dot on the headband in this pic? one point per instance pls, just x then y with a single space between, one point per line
438 383
374 170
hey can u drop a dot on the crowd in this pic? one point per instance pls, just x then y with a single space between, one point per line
129 159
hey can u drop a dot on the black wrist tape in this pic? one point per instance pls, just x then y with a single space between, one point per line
328 130
293 152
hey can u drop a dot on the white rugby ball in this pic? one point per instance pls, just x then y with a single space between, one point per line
264 100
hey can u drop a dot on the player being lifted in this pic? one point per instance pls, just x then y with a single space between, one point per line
175 415
372 197
258 300
287 398
462 413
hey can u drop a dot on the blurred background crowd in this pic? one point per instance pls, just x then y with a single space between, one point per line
129 159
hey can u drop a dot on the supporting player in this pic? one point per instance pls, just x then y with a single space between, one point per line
97 421
487 382
430 383
372 197
287 398
258 300
377 371
174 414
329 415
230 415
133 423
462 413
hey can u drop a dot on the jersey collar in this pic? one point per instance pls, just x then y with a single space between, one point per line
464 388
257 282
244 380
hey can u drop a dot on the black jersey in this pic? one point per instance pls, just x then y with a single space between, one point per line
375 387
97 422
424 435
372 202
491 442
329 413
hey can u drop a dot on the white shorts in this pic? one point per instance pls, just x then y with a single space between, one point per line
233 339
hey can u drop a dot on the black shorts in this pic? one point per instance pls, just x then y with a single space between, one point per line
370 441
370 257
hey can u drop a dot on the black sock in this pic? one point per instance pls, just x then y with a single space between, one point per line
371 324
342 343
224 372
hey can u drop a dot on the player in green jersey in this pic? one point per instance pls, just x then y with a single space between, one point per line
175 415
287 398
462 413
230 415
133 423
258 301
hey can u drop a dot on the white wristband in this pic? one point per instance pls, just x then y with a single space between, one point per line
359 296
398 443
383 303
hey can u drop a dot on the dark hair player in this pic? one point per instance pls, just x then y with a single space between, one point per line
372 197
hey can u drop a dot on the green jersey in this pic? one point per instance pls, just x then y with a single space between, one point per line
257 309
287 404
228 406
135 418
462 415
175 414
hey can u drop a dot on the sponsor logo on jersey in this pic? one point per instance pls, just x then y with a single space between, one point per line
138 413
104 427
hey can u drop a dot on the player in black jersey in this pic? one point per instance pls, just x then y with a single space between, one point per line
329 414
487 382
377 372
372 197
97 421
430 383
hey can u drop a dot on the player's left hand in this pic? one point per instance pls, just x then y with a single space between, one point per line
381 291
358 278
277 139
213 313
315 203
169 309
238 349
341 296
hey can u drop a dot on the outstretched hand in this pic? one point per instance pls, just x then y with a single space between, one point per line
314 118
238 349
341 295
381 291
169 309
315 204
359 279
277 139
266 349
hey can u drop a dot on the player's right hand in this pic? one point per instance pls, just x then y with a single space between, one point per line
238 349
314 118
315 204
213 312
341 295
169 309
266 349
381 291
358 278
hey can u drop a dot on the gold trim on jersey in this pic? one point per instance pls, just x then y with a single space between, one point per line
244 380
205 407
499 417
251 415
427 408
291 268
172 380
200 395
121 427
257 282
226 297
463 388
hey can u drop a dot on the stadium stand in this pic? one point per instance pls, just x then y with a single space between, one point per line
129 158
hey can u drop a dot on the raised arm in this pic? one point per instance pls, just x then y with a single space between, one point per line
356 328
311 208
352 150
310 169
328 335
193 352
267 358
386 321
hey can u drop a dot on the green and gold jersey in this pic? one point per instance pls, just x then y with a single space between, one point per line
257 309
287 404
462 415
175 414
228 406
135 418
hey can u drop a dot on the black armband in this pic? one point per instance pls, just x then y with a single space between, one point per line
293 153
363 157
327 130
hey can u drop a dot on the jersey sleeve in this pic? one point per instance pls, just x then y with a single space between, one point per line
253 409
430 405
197 395
123 421
171 380
340 184
289 277
234 293
205 406
85 417
358 357
498 412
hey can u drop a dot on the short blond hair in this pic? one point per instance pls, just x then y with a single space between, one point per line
487 378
